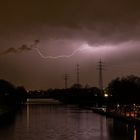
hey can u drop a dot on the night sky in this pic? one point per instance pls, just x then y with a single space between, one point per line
41 40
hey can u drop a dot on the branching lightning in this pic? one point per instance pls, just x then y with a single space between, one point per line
34 46
60 56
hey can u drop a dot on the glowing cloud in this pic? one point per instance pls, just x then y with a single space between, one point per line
84 48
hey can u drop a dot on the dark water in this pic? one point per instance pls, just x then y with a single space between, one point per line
41 121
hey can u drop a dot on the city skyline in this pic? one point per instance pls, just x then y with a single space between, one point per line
42 40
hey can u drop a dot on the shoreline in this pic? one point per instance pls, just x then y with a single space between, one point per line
116 116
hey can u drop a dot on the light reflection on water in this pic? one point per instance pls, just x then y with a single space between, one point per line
39 121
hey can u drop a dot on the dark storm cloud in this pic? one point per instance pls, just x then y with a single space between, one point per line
104 17
9 50
23 48
34 44
95 21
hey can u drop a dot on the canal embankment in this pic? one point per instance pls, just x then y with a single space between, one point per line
116 115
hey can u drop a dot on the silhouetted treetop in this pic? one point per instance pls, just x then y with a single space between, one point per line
125 89
6 87
9 94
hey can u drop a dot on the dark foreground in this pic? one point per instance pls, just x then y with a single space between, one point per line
43 120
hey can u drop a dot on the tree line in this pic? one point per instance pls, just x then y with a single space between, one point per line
124 90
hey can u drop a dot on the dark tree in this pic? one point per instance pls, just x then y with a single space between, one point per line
9 94
125 90
22 94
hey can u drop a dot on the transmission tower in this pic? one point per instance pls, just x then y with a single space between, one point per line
78 74
66 80
100 68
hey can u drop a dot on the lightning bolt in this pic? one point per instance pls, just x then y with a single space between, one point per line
60 56
34 46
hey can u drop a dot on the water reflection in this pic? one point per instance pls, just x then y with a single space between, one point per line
28 115
64 122
119 130
135 133
59 122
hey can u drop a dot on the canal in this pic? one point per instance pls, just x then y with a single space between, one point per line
47 120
